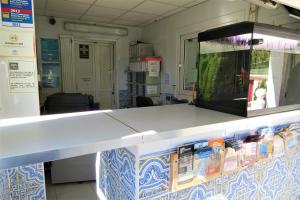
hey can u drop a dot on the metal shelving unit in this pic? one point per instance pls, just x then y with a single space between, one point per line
144 77
141 84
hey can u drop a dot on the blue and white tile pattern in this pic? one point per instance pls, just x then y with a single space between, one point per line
117 174
23 183
154 176
277 178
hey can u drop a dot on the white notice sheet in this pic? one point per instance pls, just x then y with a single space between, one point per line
21 76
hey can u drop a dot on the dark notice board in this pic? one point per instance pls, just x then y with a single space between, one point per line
84 51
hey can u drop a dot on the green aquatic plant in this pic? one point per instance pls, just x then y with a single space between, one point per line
209 66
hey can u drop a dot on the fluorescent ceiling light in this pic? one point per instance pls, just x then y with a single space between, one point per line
293 12
294 16
291 3
91 28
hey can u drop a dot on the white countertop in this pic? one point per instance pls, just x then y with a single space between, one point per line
53 137
59 136
170 117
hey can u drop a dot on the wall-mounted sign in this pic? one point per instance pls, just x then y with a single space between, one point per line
84 51
17 13
50 50
21 77
17 44
51 75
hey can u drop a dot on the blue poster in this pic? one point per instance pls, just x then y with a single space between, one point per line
17 13
51 75
50 50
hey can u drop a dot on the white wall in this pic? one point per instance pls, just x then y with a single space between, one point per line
45 30
165 34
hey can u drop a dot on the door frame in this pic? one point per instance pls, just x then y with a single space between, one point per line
115 72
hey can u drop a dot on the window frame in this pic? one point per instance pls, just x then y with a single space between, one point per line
184 37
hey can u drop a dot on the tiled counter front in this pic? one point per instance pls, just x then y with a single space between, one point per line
117 174
278 178
23 183
123 176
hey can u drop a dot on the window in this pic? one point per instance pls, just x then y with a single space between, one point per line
189 61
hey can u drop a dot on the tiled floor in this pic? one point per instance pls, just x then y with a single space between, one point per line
73 191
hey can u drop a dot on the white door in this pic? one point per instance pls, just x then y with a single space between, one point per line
85 68
104 58
94 69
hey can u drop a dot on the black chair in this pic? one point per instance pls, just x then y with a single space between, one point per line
142 101
69 102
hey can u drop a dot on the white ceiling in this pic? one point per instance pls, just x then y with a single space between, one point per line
120 12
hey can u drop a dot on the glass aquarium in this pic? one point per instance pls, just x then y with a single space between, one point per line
249 69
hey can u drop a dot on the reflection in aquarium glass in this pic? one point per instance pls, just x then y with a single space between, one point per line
275 72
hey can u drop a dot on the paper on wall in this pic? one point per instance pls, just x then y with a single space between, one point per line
151 89
154 68
50 75
21 77
17 13
167 79
50 50
19 44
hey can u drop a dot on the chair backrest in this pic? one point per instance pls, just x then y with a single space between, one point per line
142 101
68 102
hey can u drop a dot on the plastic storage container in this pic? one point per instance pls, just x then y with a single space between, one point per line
139 51
249 150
